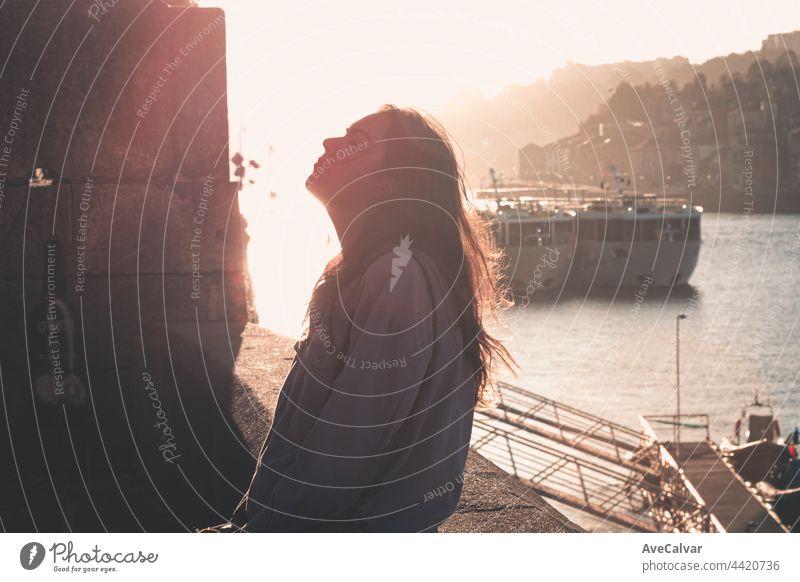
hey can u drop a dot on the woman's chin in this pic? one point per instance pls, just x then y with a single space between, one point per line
311 183
313 186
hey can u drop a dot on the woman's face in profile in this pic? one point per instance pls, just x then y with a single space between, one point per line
350 161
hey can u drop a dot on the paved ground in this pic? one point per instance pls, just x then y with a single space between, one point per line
492 500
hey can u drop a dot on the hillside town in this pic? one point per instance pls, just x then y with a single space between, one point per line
728 142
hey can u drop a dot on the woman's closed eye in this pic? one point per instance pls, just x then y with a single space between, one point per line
356 138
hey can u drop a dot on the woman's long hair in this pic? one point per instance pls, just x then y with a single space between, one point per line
432 209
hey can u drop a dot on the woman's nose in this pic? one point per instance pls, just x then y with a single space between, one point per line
328 144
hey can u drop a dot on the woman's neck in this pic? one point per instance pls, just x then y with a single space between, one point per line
343 222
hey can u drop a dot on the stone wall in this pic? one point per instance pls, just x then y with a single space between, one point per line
119 338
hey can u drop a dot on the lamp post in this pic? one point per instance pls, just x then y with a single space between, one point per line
678 385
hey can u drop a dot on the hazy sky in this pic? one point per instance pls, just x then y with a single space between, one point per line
299 71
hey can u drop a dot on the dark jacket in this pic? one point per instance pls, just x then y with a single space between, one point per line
371 434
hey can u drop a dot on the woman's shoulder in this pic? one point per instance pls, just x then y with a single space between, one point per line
396 301
398 272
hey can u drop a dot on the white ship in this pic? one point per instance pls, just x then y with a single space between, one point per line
537 240
601 241
627 242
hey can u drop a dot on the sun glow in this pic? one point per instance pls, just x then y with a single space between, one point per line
291 240
301 71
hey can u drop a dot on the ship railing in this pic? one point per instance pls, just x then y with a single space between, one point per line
578 196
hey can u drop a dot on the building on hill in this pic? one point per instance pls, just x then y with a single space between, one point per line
531 161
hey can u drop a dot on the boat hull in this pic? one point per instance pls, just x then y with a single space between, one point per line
620 264
530 270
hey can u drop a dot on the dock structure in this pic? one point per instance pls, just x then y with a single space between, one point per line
628 478
735 505
563 453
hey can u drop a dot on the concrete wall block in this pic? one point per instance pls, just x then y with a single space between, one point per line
200 124
143 89
156 228
26 222
13 352
204 227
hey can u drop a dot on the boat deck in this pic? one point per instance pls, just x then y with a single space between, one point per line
724 493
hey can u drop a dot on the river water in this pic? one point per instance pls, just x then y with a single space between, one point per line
613 354
600 352
603 354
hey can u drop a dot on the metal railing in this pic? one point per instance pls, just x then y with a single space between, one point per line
677 422
567 454
678 507
619 474
569 424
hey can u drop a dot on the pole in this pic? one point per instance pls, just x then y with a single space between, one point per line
269 170
678 385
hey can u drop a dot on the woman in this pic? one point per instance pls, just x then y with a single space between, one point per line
373 422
